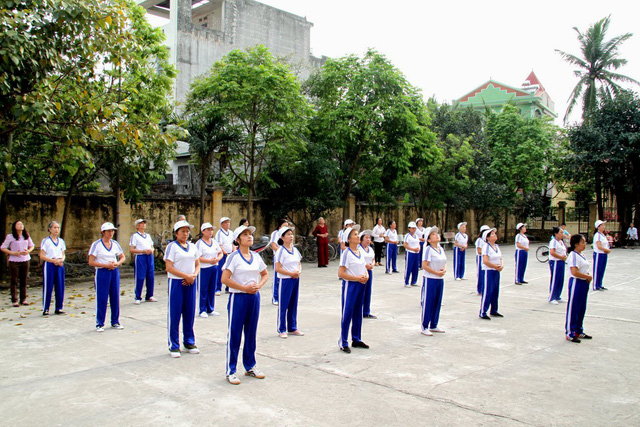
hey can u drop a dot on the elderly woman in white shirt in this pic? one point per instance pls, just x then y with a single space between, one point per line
601 250
434 267
378 240
579 279
492 265
557 258
522 253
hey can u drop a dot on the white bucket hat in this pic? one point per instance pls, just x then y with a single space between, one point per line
520 225
461 224
178 225
238 231
224 218
107 226
345 235
412 225
138 221
486 233
205 226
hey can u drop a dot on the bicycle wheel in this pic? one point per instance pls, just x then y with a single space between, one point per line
542 253
333 253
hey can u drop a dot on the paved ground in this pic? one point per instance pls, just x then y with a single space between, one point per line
516 370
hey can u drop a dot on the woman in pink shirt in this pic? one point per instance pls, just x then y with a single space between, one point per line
18 245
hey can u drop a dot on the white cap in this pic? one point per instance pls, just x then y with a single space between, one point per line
484 228
486 233
412 225
238 231
461 224
430 230
599 223
345 235
178 225
348 221
205 226
284 230
107 226
520 225
138 221
365 232
224 218
419 219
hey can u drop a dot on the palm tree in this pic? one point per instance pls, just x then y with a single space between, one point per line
599 57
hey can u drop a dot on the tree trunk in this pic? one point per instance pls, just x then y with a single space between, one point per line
3 232
250 205
203 186
67 202
599 196
116 205
506 224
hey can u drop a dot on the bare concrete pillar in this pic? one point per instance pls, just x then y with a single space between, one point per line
216 206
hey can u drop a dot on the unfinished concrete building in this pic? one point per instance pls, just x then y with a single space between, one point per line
201 32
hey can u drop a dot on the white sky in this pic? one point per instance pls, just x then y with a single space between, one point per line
448 48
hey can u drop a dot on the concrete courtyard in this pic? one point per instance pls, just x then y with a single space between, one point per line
515 370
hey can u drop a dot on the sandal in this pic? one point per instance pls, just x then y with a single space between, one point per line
15 304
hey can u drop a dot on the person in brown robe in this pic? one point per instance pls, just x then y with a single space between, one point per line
321 234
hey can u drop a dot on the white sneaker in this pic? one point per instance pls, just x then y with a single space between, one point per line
407 286
204 314
137 302
99 328
437 330
233 379
554 302
152 299
283 335
117 326
217 293
192 349
561 300
458 279
275 303
255 373
427 333
214 313
175 353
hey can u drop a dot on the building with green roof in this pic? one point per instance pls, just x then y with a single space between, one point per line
531 98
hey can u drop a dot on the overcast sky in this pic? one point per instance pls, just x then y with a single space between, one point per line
448 48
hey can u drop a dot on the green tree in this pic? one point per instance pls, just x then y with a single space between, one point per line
520 149
209 138
599 57
608 148
307 187
92 79
261 99
371 119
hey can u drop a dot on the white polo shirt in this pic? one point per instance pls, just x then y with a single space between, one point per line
208 252
225 240
141 241
290 260
54 250
437 260
369 254
578 260
244 271
356 265
602 239
103 254
523 240
480 243
494 254
560 248
420 232
412 240
184 260
462 239
391 235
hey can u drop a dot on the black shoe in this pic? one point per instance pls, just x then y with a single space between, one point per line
585 336
396 271
573 339
345 349
370 316
518 283
45 313
60 312
485 317
524 282
604 289
359 344
496 315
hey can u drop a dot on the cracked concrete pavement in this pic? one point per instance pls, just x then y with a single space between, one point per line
515 370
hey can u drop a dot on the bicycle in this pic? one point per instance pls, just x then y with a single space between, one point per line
542 253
